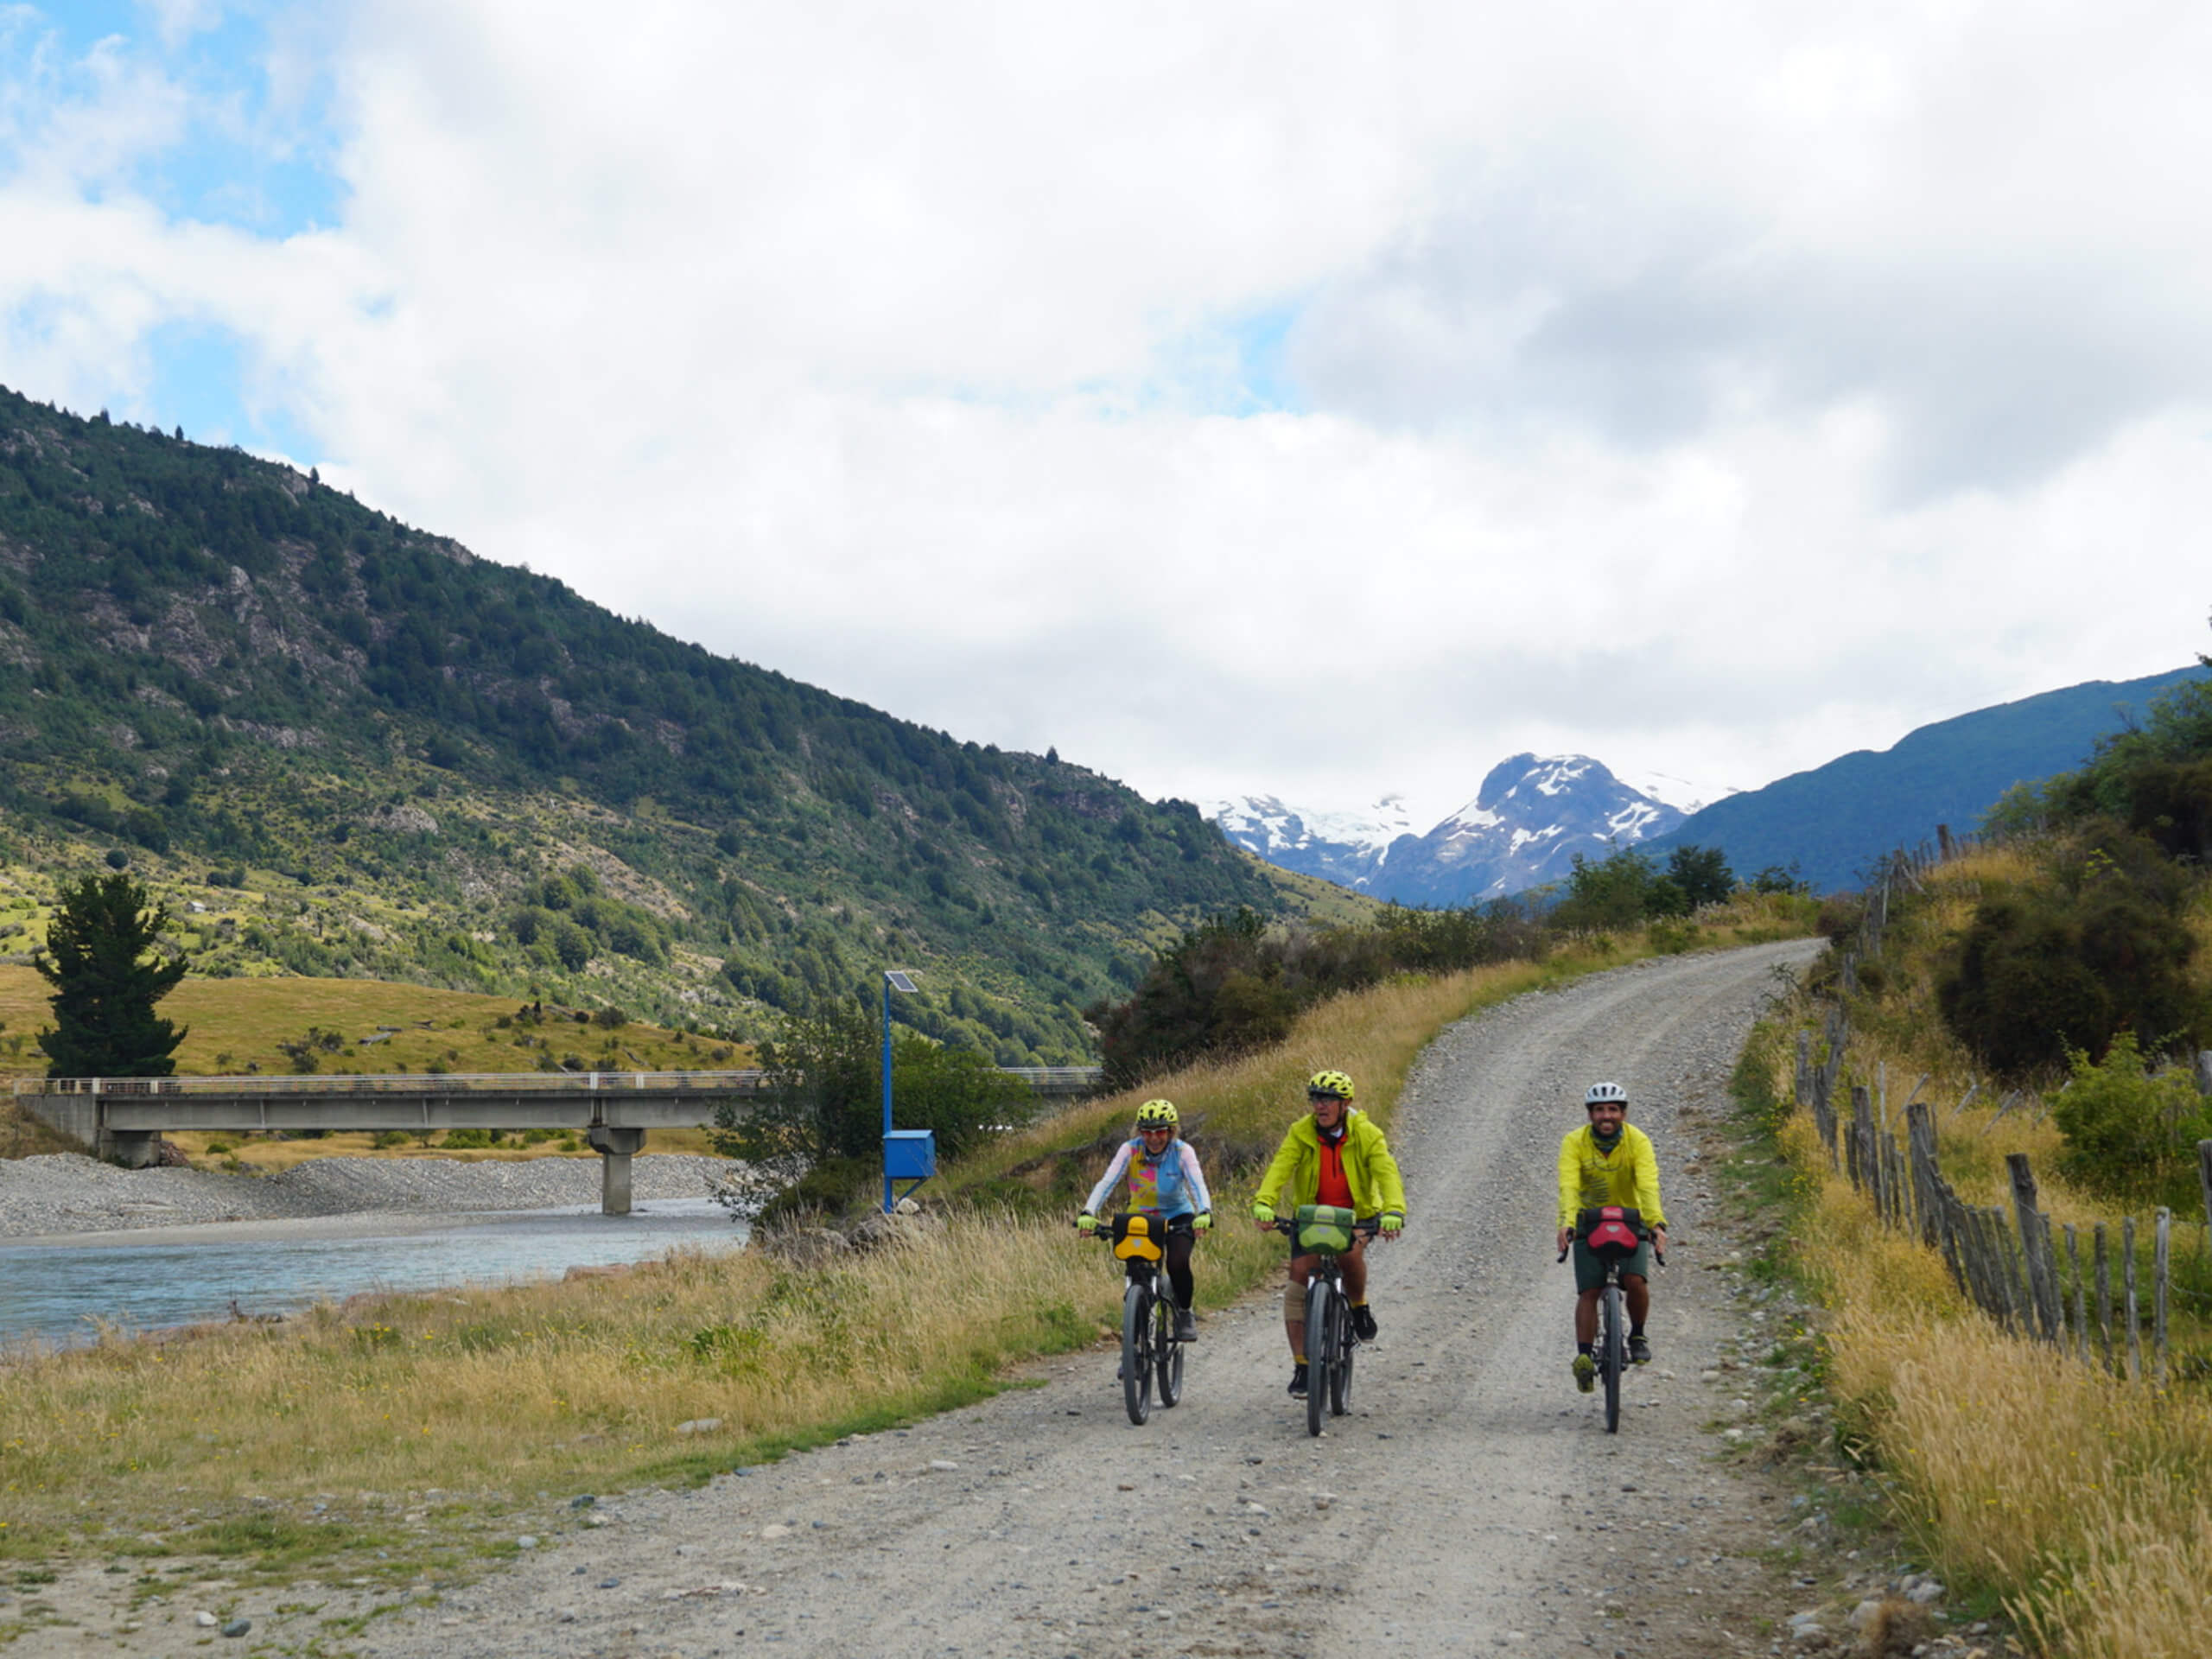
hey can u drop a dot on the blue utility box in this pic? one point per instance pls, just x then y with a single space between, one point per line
910 1155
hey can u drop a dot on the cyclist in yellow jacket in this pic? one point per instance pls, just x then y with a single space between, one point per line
1333 1155
1608 1160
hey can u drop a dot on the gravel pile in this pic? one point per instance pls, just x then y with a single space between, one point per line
66 1192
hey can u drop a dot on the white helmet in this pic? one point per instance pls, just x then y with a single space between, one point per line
1602 1093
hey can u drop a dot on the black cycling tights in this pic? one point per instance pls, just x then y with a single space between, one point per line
1178 1266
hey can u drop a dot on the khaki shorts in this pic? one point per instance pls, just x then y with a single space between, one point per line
1590 1271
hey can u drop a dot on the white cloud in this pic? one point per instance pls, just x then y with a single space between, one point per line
1735 386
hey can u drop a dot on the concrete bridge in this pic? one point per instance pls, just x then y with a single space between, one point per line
124 1118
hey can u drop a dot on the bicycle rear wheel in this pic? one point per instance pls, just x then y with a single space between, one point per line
1167 1353
1613 1342
1136 1350
1319 1348
1340 1373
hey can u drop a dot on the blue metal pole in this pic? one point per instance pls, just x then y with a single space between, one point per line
887 1094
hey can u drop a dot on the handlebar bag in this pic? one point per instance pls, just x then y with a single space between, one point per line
1136 1237
1612 1231
1324 1227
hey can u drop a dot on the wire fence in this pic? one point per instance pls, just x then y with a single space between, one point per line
2086 1298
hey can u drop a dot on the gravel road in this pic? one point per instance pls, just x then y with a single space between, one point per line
1471 1502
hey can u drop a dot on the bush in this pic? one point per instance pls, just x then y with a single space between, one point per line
468 1140
2070 964
2129 1134
387 1139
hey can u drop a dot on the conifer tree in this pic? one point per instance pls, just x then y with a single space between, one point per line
103 987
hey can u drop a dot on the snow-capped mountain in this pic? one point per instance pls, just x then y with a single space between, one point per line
1345 848
1524 826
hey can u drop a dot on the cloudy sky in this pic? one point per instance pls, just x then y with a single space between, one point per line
1309 399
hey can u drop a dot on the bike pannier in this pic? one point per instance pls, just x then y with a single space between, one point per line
1136 1237
1324 1227
1612 1232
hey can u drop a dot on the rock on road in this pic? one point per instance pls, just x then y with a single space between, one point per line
1471 1503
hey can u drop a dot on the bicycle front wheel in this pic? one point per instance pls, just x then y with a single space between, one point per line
1167 1353
1340 1373
1614 1347
1136 1350
1320 1356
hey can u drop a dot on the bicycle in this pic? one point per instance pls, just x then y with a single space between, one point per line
1150 1354
1325 1230
1614 1234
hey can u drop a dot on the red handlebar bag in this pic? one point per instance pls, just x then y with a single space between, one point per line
1612 1231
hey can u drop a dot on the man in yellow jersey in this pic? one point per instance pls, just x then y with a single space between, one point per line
1609 1161
1338 1156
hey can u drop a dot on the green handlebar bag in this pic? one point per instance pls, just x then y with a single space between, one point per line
1324 1227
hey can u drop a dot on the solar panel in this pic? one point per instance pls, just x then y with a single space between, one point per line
898 981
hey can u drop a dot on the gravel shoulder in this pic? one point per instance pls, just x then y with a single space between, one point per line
66 1197
1471 1502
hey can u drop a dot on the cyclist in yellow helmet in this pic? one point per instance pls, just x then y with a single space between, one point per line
1335 1154
1164 1176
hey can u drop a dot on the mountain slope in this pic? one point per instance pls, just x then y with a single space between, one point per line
404 760
1832 820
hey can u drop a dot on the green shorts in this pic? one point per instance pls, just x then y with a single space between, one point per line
1590 1271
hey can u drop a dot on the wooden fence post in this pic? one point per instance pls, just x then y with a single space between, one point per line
1920 1136
2127 1284
2104 1298
2035 1246
1862 1130
1802 1091
2161 1263
2204 1179
2081 1298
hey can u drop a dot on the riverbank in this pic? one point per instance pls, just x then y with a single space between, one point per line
62 1196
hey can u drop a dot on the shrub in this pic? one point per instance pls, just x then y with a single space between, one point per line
467 1140
387 1139
2070 964
2128 1133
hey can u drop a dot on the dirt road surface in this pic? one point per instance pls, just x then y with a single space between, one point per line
1471 1503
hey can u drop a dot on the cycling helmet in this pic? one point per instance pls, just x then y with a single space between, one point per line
1157 1115
1335 1084
1605 1093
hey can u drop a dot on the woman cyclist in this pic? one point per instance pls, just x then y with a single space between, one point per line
1164 1175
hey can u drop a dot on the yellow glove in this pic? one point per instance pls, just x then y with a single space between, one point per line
1203 1222
1263 1212
1086 1222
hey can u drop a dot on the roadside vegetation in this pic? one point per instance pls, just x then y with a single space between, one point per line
2046 995
510 1400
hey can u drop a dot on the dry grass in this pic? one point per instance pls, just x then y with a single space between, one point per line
549 1387
2085 1502
234 1026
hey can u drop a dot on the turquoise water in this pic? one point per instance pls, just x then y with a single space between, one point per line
65 1293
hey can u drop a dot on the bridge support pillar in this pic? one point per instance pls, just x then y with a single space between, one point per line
132 1148
615 1147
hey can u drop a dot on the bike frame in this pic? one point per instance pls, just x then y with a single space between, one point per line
1612 1326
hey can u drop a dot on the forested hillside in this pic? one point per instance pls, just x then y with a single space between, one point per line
365 751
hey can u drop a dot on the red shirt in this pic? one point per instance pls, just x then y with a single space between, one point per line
1335 1188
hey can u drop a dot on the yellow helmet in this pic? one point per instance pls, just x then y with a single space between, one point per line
1335 1084
1157 1115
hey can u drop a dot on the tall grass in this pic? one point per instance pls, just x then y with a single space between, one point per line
2084 1503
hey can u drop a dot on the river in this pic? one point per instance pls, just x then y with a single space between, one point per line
67 1292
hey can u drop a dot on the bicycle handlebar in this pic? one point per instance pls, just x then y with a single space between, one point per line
1648 1233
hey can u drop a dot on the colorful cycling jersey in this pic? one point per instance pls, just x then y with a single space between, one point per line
1170 1183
